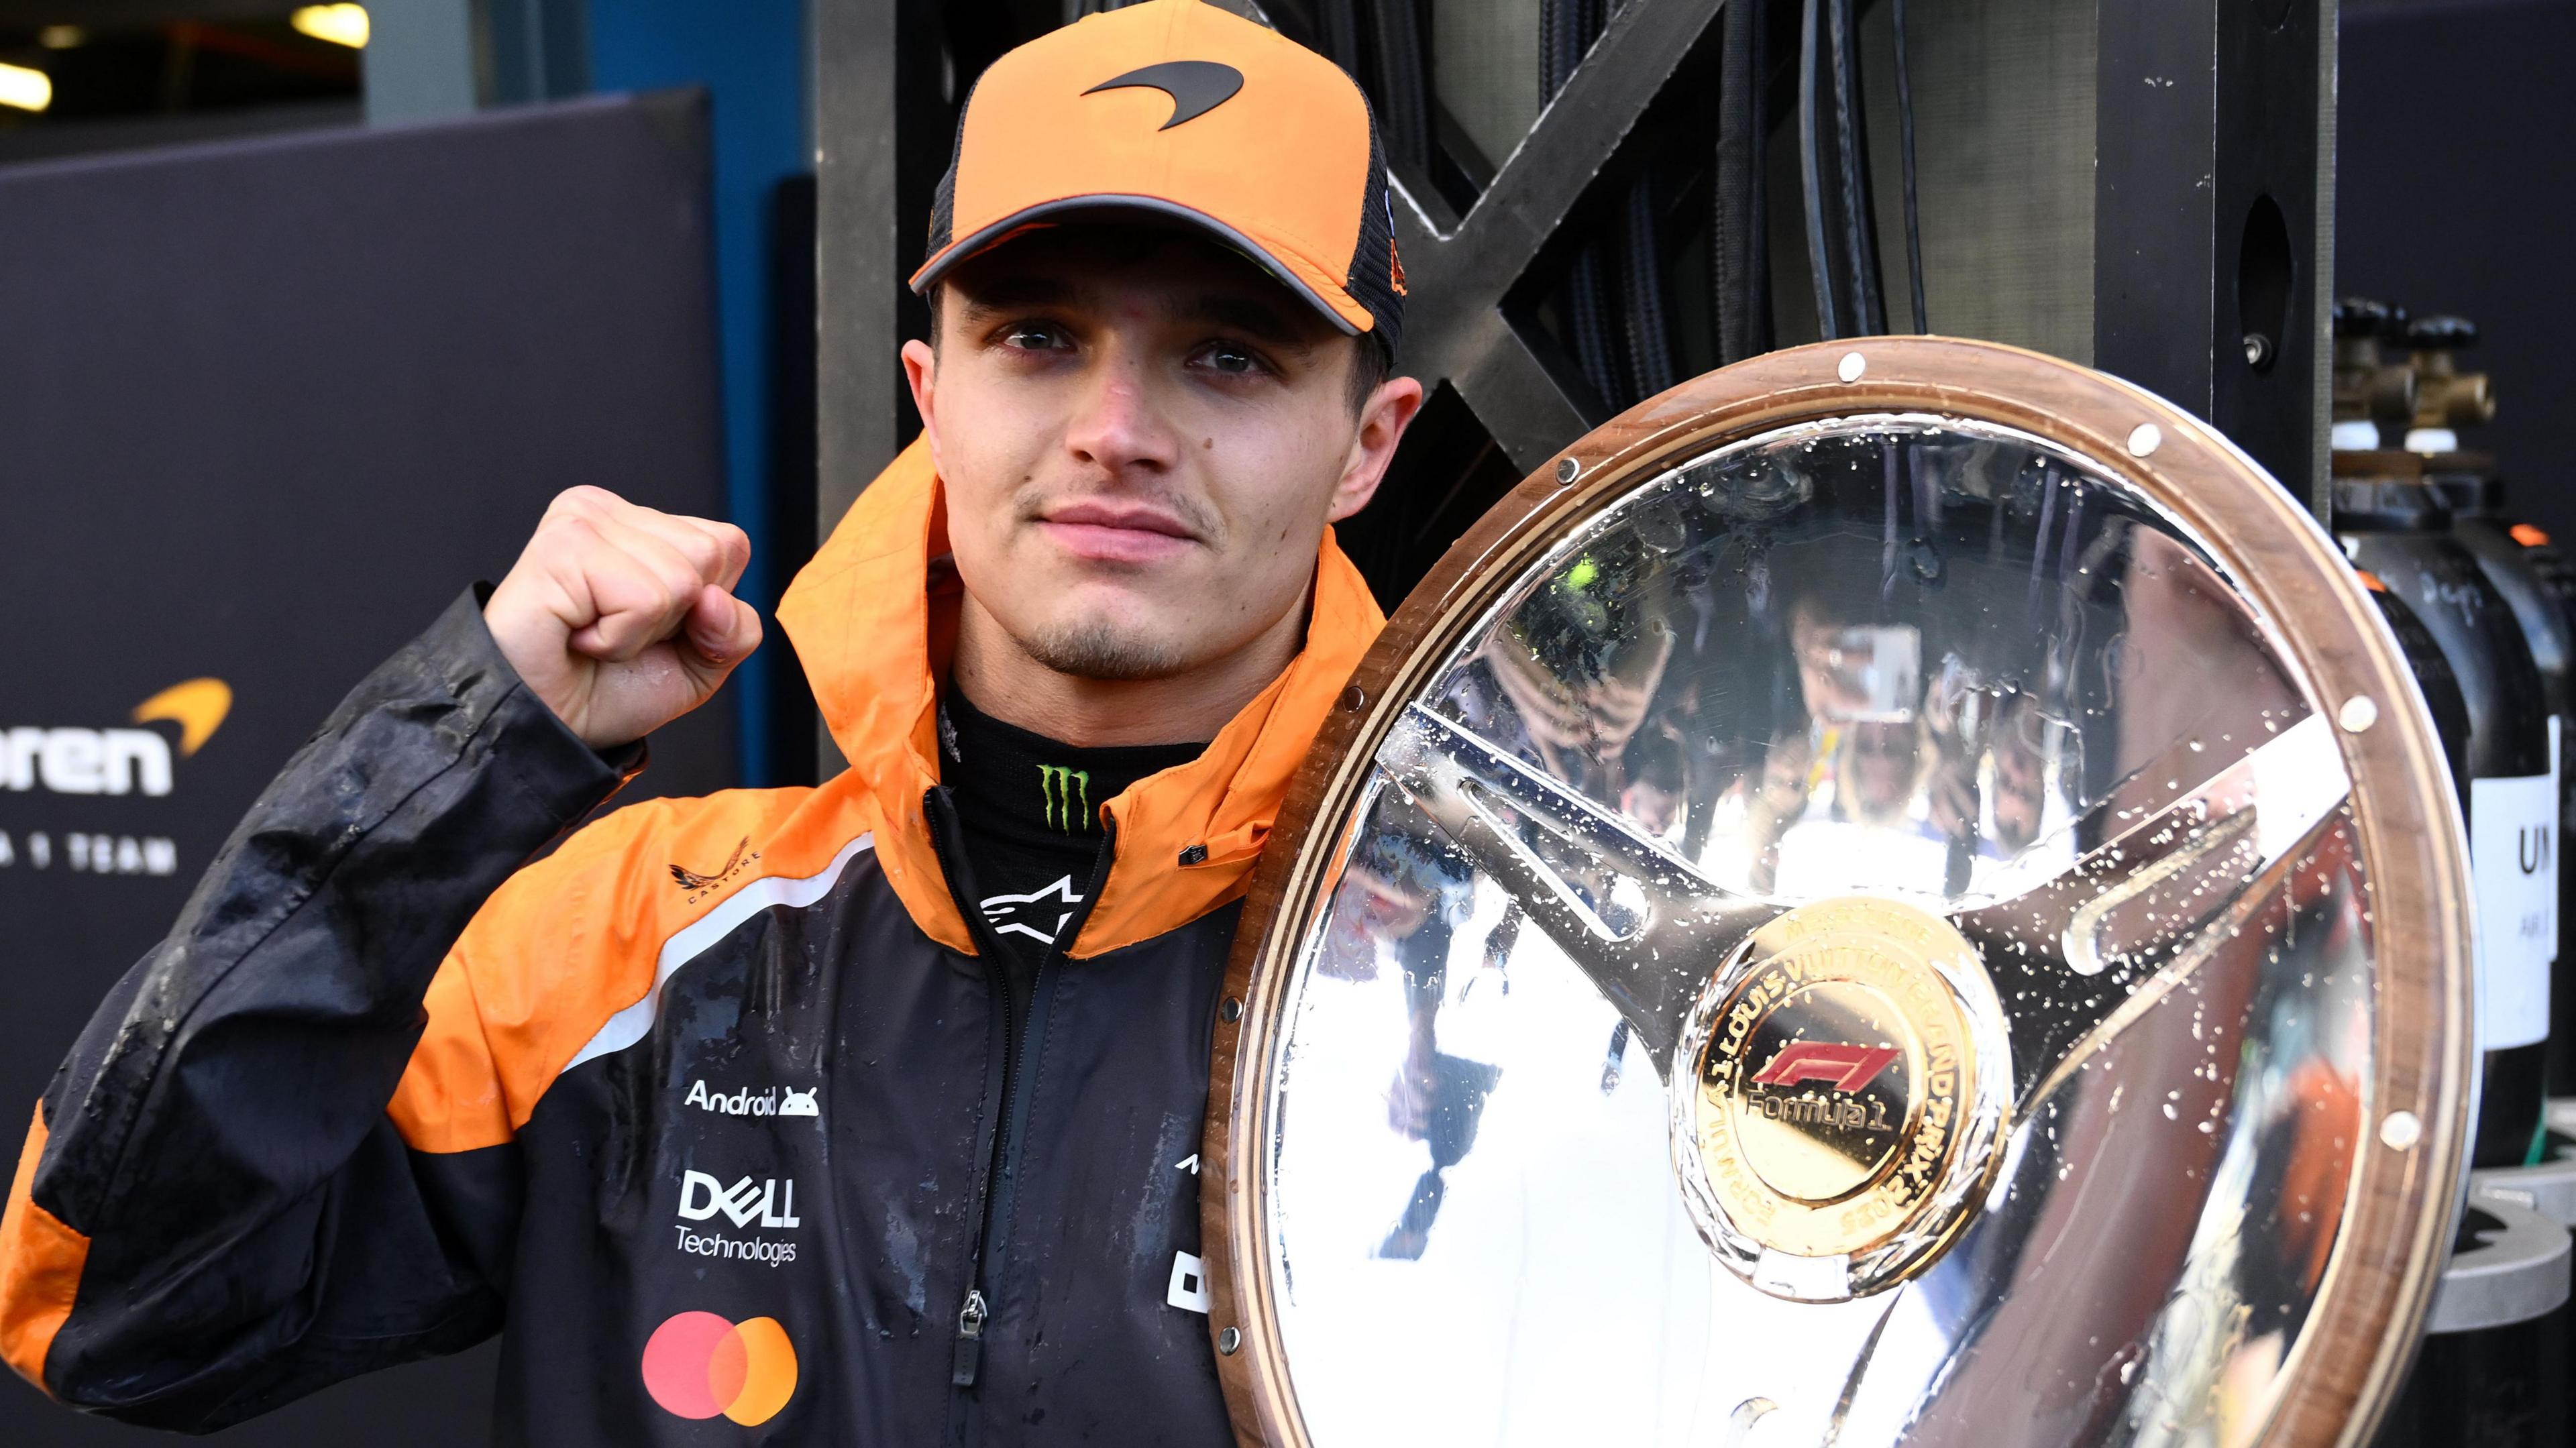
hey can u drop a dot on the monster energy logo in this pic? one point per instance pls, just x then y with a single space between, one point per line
1068 796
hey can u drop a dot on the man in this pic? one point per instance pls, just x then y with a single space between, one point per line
860 1114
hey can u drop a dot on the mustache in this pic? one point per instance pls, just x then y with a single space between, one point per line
1035 502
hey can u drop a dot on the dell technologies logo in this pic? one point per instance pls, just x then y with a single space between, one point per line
769 1202
751 1202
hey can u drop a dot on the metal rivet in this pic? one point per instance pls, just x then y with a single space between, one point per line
1353 699
2400 1130
1231 1009
1851 367
2358 713
1228 1340
1567 470
2145 438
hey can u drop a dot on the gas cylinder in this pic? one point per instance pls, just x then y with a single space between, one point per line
2394 525
2535 577
2433 676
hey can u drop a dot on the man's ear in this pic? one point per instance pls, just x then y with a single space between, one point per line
921 371
1383 419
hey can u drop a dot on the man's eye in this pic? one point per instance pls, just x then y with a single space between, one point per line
1233 361
1034 337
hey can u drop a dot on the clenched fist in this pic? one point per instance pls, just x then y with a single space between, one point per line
622 619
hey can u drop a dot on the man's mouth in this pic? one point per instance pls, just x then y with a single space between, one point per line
1117 532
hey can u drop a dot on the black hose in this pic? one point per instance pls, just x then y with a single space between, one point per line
1913 208
1566 29
1641 275
1649 355
1811 176
1588 324
1741 248
1551 71
1403 86
1860 234
1341 25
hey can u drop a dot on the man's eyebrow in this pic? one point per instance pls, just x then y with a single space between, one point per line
1010 294
1257 320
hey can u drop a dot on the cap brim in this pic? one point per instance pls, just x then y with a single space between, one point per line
1081 208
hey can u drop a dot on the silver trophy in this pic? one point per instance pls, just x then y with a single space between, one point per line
1897 893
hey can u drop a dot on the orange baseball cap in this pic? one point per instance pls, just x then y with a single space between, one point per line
1179 109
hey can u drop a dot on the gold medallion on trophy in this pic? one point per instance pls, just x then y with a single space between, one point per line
1832 1074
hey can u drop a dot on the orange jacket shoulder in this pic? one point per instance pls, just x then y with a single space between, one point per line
571 940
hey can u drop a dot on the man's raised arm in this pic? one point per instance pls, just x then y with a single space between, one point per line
213 1213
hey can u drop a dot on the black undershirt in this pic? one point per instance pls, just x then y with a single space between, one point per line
1028 813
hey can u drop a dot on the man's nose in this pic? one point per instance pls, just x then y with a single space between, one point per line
1117 424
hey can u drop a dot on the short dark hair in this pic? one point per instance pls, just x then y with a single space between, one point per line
1369 366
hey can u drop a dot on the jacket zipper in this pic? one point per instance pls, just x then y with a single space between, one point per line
969 1356
1001 1152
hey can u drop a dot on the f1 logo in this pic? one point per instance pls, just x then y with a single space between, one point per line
1848 1067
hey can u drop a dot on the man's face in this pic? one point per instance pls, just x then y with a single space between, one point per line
1142 438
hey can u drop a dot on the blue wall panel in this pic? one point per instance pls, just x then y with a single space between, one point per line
750 54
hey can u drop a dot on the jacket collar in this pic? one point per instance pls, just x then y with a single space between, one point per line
873 618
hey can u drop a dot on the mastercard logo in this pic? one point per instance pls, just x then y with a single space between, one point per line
698 1365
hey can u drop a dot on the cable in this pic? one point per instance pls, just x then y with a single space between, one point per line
1566 28
1740 247
1649 353
1402 83
1588 322
1860 235
1641 355
1913 207
1811 176
1341 26
1650 348
1566 31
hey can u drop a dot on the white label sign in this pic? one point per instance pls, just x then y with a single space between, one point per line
2513 862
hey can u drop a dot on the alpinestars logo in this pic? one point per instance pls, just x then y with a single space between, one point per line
1040 914
1067 796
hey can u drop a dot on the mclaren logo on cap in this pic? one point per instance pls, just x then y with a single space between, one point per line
1195 86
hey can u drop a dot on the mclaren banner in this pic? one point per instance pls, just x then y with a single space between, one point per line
265 410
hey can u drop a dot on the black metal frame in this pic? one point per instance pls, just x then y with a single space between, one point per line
1464 270
882 134
2207 109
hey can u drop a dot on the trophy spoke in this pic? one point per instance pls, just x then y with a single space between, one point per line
2128 920
1647 927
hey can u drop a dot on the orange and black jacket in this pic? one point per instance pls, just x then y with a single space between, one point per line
716 1113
